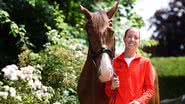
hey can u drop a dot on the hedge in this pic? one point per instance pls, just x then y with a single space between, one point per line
169 66
171 71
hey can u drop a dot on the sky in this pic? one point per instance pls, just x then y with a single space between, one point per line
146 9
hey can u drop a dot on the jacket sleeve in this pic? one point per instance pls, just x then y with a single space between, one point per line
148 84
108 91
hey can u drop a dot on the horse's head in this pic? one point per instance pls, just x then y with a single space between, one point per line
101 40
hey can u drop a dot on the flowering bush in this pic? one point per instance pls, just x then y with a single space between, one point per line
60 67
23 85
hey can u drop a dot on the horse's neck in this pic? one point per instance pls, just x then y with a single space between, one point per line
90 88
90 71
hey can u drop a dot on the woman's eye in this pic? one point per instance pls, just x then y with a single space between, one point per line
136 38
129 37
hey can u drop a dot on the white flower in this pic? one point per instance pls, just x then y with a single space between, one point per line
57 102
44 88
45 94
19 98
3 93
13 66
25 73
79 54
30 82
36 84
13 76
10 72
6 88
28 77
38 93
20 74
12 92
27 70
73 47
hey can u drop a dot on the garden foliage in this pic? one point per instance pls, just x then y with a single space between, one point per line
44 42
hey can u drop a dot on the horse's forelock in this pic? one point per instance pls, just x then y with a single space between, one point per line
98 21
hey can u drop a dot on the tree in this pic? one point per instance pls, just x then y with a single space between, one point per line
49 35
27 21
169 31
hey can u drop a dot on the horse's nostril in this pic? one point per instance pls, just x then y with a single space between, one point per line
110 24
2 73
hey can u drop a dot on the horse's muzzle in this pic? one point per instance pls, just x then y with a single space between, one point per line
106 75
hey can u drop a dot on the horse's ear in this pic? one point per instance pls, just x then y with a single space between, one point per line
86 12
112 11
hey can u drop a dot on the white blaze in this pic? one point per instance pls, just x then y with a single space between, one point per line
106 70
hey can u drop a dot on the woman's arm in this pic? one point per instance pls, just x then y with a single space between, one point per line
148 84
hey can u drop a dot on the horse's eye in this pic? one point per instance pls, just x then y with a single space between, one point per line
109 29
88 25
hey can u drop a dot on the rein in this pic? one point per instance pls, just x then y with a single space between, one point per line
99 52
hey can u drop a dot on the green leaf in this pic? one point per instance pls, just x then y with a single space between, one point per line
14 29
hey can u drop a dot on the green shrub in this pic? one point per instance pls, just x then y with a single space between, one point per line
169 66
171 71
61 66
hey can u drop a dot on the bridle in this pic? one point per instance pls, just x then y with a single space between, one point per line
100 51
111 53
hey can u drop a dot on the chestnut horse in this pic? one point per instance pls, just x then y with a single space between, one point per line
98 66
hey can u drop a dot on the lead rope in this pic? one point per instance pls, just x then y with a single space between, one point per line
113 99
93 91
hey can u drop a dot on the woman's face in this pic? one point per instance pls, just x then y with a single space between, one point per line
132 39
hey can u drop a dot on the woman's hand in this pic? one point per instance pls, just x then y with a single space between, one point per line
115 83
134 102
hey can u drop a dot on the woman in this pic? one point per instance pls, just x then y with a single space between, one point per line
134 81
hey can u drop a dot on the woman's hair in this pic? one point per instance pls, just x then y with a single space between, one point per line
130 29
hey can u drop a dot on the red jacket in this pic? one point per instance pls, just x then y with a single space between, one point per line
136 81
